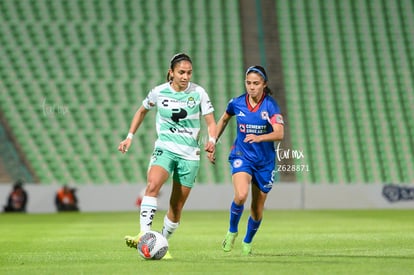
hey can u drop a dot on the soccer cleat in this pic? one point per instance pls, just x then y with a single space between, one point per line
132 241
246 249
228 241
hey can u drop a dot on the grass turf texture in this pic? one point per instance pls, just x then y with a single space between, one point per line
289 242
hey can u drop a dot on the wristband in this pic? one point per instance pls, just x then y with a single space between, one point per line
130 135
212 140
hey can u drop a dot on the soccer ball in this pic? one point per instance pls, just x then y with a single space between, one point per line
152 245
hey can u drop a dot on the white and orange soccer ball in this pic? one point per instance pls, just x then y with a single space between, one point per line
152 245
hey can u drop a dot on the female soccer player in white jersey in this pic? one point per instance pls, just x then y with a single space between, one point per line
252 156
180 104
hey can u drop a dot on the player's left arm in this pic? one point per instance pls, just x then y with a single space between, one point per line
276 135
207 110
212 130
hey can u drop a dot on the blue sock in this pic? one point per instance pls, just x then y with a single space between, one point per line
252 227
236 212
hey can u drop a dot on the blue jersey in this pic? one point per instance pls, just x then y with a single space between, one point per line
258 121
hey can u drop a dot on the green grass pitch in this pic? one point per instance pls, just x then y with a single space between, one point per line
289 242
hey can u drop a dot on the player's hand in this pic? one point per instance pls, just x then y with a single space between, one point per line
124 145
212 157
210 147
251 138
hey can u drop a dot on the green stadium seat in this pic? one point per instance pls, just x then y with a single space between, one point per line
93 57
348 41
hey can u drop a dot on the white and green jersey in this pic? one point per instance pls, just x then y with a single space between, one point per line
178 118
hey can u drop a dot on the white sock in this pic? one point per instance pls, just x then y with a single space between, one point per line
169 227
147 212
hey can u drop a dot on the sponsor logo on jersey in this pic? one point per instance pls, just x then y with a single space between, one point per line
178 114
255 129
180 131
240 114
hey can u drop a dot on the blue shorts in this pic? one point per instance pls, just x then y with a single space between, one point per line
262 175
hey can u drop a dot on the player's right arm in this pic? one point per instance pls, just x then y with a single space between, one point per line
136 122
221 126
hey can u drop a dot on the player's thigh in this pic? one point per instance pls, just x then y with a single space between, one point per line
161 165
241 183
157 176
185 172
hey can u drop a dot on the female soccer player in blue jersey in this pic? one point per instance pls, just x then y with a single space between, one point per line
180 105
252 156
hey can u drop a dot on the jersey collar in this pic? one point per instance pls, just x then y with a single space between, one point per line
255 108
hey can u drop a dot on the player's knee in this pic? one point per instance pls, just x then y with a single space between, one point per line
240 198
153 188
